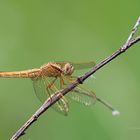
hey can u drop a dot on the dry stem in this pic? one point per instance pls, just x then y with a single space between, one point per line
48 103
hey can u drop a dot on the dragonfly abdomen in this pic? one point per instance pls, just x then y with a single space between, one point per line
23 74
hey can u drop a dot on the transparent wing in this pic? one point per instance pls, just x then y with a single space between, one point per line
80 94
44 88
39 85
79 65
61 106
86 97
83 65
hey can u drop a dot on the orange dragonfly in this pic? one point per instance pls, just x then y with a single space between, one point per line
53 77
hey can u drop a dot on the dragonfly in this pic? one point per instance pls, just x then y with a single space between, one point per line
55 76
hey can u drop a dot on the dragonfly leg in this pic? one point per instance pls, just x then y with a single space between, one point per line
48 88
61 86
61 83
49 93
52 82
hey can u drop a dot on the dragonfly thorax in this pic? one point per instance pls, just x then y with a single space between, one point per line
55 69
51 70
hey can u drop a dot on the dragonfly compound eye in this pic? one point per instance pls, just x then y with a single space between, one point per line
68 69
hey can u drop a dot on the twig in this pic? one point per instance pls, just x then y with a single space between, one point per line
49 102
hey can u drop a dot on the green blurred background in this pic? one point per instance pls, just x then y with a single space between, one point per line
33 33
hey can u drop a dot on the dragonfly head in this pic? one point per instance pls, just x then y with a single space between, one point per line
68 69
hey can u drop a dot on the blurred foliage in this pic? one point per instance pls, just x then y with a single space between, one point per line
33 33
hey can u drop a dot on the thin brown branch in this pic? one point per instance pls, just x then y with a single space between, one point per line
56 96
